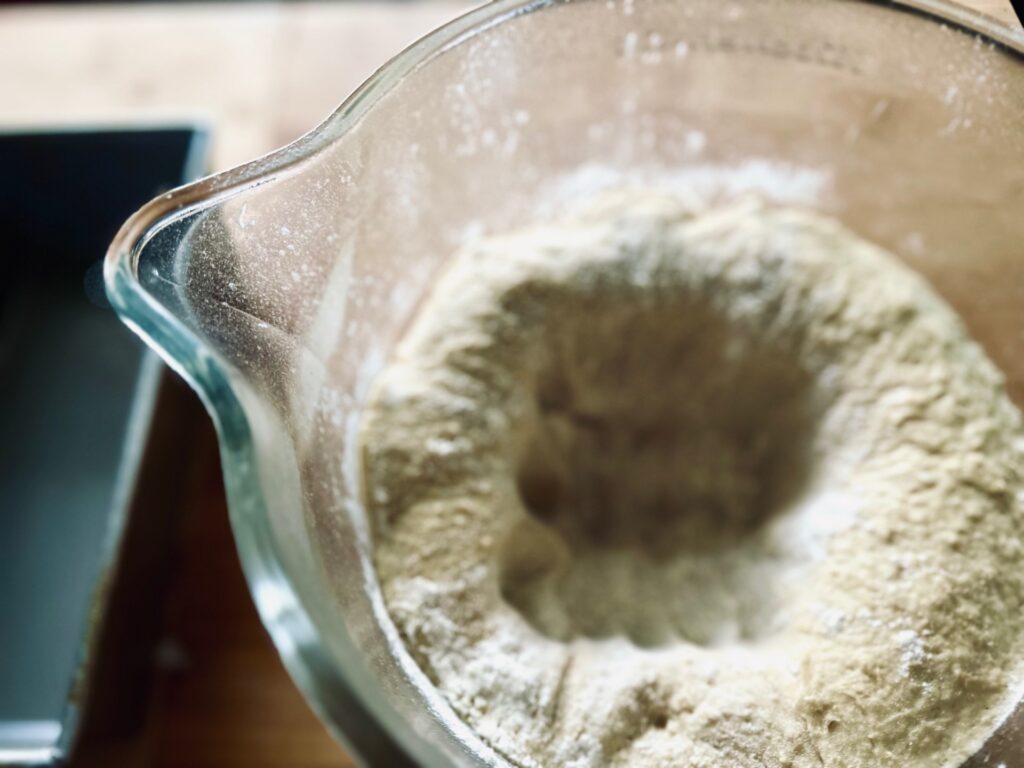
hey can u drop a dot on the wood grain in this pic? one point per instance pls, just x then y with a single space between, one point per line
260 75
220 697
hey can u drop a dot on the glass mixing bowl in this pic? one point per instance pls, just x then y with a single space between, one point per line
277 288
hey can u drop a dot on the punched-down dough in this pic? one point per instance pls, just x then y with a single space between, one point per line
730 489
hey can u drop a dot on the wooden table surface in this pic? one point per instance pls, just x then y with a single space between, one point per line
219 697
259 75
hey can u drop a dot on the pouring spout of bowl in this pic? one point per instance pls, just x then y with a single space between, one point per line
215 280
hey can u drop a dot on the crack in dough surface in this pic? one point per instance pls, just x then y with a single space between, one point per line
731 488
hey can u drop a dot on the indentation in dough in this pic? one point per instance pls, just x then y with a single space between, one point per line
658 471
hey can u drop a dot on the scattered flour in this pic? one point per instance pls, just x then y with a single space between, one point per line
651 487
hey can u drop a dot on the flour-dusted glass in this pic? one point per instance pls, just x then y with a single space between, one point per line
277 289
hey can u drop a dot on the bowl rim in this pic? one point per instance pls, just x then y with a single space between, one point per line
378 734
